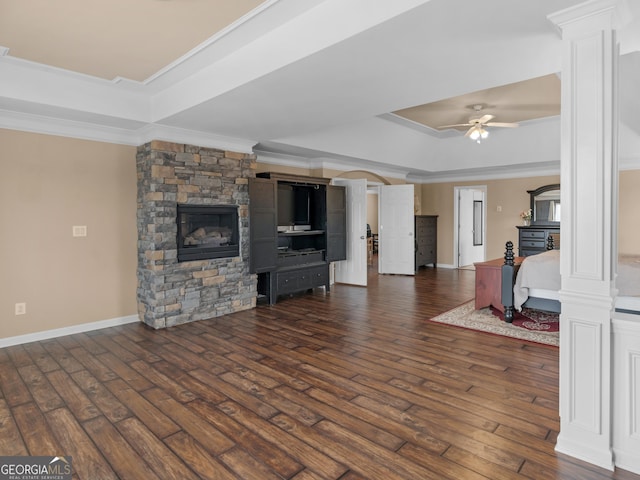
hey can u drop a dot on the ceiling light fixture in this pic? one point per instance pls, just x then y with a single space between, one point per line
478 133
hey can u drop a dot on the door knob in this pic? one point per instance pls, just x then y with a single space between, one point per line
362 237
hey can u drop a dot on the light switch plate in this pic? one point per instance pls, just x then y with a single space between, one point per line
79 230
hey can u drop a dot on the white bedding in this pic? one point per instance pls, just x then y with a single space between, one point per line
539 276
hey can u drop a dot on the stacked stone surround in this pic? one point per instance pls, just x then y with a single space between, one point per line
171 292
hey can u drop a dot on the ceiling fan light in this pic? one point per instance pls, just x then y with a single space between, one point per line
484 134
474 135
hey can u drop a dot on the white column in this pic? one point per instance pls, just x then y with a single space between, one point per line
589 227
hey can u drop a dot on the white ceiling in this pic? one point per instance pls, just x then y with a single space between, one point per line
307 82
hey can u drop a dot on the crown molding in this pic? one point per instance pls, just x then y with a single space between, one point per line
488 173
192 137
32 123
281 154
485 173
617 11
11 120
629 163
418 127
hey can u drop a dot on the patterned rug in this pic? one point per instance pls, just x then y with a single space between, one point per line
466 316
533 319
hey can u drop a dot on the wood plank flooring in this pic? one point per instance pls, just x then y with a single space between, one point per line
355 384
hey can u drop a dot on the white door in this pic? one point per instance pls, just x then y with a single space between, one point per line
396 241
471 212
353 270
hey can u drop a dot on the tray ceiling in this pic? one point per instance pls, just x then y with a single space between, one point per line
341 84
117 38
517 102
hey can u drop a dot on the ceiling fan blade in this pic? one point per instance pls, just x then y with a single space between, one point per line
470 131
485 118
456 125
500 124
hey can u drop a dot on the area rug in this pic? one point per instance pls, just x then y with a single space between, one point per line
467 317
532 319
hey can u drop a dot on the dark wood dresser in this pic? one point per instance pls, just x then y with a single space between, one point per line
533 239
426 234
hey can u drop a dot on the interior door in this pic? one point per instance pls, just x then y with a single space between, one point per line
263 221
470 226
353 270
336 200
396 247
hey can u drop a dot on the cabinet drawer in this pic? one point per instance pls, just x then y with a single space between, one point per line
313 257
319 275
539 244
293 258
305 279
287 282
535 234
302 278
288 260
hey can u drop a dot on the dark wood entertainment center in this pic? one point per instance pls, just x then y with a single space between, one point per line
297 227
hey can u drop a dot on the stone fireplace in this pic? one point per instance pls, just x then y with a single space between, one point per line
193 233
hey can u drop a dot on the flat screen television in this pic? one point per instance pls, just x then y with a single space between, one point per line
301 206
285 205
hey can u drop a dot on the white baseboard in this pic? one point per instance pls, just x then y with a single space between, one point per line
627 461
446 265
60 332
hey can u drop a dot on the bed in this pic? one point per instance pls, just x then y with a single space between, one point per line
536 282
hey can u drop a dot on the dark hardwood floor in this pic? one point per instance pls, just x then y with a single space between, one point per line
355 384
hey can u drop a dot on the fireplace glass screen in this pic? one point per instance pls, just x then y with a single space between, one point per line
207 231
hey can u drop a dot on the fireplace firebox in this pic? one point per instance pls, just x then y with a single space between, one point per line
207 231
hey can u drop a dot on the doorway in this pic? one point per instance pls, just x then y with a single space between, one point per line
470 220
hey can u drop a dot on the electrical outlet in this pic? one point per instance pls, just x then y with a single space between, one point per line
80 231
499 208
21 308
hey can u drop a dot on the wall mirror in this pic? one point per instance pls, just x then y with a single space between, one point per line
545 205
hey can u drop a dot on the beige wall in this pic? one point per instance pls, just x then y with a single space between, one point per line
49 184
511 195
372 211
629 212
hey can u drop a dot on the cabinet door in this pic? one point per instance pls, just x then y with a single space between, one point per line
263 225
336 223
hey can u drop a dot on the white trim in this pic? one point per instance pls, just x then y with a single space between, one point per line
134 133
445 265
456 221
26 122
202 139
60 332
488 173
207 44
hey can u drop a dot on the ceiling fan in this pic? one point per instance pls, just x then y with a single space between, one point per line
477 130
